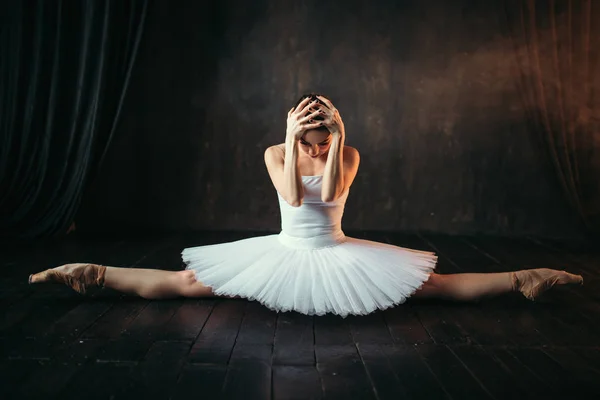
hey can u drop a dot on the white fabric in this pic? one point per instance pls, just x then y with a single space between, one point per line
311 267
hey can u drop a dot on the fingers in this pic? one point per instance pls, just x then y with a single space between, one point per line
307 110
327 102
327 113
321 107
310 116
312 126
302 105
307 107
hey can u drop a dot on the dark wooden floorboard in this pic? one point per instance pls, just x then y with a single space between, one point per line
55 343
51 376
381 373
115 321
491 321
294 340
332 329
258 325
522 376
132 327
343 373
405 327
415 377
296 382
155 376
497 381
200 381
574 247
217 338
189 319
91 316
100 380
30 316
437 317
124 349
577 375
249 372
369 328
13 372
590 355
563 323
549 371
458 381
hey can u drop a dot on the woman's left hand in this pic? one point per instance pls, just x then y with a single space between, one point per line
332 119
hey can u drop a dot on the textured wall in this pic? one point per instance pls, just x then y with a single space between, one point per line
426 90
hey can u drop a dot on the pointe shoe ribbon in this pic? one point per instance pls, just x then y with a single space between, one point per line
533 282
77 276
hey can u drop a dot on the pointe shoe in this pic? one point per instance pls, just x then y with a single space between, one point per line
77 276
533 282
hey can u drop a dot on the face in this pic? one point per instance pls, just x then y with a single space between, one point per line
315 143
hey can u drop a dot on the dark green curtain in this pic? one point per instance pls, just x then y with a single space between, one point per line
64 71
556 47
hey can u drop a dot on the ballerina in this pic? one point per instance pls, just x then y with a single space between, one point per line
311 266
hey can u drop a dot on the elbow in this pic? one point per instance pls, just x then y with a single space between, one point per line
330 194
294 202
327 198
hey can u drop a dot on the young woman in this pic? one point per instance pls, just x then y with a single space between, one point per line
310 267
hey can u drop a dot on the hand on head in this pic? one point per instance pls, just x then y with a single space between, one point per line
302 117
332 118
313 112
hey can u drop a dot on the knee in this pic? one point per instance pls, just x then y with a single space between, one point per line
433 287
435 281
189 286
174 284
178 282
184 278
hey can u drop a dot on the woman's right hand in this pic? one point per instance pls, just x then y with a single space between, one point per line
299 121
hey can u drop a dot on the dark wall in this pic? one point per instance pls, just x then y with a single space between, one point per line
426 90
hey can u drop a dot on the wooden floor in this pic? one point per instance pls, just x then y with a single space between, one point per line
58 344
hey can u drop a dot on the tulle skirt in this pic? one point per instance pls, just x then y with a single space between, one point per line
314 276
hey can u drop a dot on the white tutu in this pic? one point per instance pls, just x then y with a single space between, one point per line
311 267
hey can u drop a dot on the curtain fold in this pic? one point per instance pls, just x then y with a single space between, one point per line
556 47
64 73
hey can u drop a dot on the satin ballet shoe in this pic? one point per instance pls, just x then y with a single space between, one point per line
533 282
77 276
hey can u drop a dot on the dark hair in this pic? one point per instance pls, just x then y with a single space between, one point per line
313 96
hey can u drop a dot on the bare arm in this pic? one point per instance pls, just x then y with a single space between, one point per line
333 177
283 165
347 171
284 172
342 161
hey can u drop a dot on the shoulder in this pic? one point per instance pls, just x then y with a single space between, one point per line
351 151
275 152
351 154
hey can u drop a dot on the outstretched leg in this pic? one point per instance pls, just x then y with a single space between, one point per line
147 283
160 284
155 284
473 286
